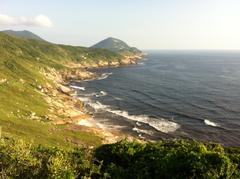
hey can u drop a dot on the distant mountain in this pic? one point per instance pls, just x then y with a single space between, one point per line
115 45
23 34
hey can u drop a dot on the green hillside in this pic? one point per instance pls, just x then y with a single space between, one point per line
23 34
116 45
22 105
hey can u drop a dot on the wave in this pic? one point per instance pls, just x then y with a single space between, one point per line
210 123
97 105
161 124
78 87
141 63
101 94
138 124
104 76
142 131
84 99
117 98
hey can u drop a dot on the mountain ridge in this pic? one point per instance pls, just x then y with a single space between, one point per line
23 34
116 45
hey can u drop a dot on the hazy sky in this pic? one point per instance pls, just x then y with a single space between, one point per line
147 24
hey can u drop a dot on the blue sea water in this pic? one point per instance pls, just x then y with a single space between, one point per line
184 94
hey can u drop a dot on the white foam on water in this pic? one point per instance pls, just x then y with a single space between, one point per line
97 105
119 99
101 94
104 76
141 63
89 95
78 87
138 124
161 124
142 131
210 123
84 99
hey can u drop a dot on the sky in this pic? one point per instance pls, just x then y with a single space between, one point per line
146 24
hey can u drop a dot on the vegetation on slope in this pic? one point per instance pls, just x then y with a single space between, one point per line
116 45
23 34
22 105
165 159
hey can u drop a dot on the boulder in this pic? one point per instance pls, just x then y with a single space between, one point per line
64 89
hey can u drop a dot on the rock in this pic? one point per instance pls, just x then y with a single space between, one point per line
33 116
54 93
48 86
39 87
74 93
64 89
22 81
4 80
102 63
116 63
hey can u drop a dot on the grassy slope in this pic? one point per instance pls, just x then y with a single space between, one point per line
20 63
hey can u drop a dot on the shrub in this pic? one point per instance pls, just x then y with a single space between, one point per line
167 159
19 159
164 159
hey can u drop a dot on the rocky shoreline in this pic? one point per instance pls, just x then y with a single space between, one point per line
67 109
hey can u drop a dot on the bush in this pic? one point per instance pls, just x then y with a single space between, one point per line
17 160
22 160
163 159
167 159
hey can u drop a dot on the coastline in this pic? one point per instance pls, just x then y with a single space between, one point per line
63 101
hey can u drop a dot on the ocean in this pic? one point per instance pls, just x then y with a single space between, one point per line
170 94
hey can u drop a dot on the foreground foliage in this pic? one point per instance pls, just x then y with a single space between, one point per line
164 159
169 159
19 159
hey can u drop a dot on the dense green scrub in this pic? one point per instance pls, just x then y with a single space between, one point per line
169 159
164 159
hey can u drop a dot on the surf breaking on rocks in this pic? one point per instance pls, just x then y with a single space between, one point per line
159 124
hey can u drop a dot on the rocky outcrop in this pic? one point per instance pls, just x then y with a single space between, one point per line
77 74
65 90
